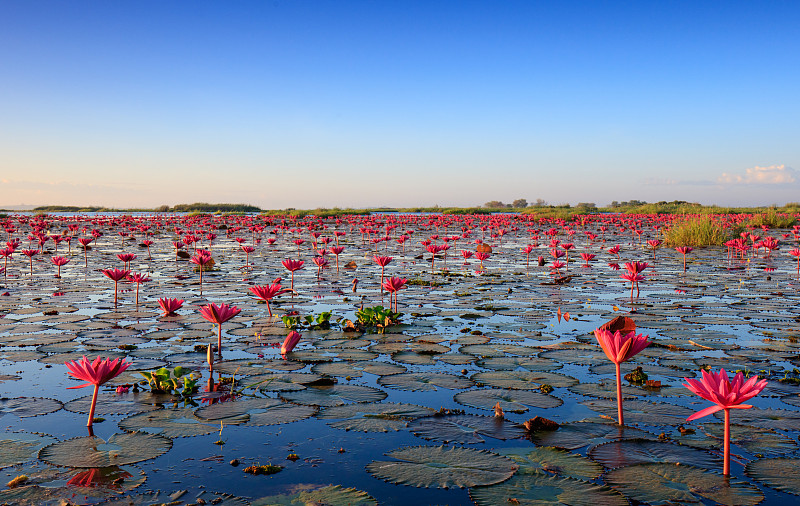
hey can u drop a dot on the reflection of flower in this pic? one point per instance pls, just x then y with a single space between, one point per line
109 477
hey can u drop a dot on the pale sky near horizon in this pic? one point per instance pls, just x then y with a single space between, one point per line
397 103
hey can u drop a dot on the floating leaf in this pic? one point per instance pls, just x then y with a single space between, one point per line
660 483
553 462
19 447
648 413
424 381
777 419
335 395
111 403
637 451
178 498
171 423
540 489
515 401
443 467
782 474
747 437
258 412
523 380
281 382
374 416
572 436
119 450
25 407
332 495
512 363
465 429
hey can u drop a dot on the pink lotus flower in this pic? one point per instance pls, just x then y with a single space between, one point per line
337 250
290 342
726 395
95 373
620 348
219 315
684 250
394 285
116 275
30 253
269 292
634 278
127 258
169 306
383 262
201 259
58 262
291 266
137 278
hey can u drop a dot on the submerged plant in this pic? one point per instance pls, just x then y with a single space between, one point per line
180 380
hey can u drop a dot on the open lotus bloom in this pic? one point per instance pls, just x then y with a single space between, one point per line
95 373
621 347
725 394
169 306
290 342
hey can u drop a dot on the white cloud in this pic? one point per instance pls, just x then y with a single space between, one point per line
774 174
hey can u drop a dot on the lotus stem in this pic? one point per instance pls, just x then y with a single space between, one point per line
94 403
619 396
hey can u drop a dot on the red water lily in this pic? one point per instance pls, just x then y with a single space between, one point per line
726 395
219 315
95 373
620 348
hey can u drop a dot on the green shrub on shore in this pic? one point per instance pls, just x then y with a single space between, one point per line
699 231
772 219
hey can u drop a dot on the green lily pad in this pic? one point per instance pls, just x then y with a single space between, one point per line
572 436
25 407
515 401
178 498
258 412
443 467
553 462
776 419
332 495
523 380
180 422
466 429
111 403
782 474
281 382
513 363
416 382
119 450
540 489
637 451
374 416
61 486
642 412
660 483
335 395
755 440
19 447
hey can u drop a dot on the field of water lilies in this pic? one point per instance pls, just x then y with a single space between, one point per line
397 359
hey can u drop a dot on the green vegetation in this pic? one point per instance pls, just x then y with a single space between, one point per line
699 231
772 219
214 208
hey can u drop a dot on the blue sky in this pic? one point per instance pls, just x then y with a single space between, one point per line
336 103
